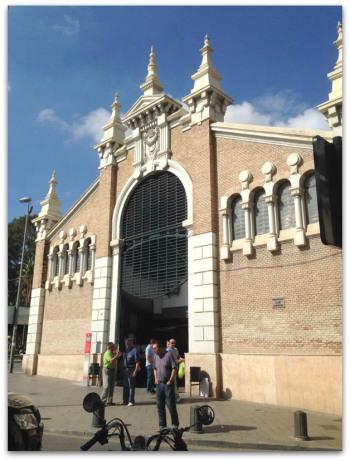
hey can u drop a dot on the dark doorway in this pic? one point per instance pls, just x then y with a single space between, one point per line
153 301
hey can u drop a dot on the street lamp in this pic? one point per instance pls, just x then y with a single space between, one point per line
15 314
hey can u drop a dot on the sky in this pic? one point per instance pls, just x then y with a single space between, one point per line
65 63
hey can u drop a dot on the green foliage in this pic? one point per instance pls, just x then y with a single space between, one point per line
15 242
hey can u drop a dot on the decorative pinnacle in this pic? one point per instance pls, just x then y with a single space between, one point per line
152 66
115 107
206 53
52 189
152 85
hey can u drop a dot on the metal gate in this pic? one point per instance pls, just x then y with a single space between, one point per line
154 257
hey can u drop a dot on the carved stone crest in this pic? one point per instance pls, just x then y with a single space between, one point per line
151 142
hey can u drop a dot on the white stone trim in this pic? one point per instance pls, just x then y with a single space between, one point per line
35 322
203 330
301 139
173 167
101 304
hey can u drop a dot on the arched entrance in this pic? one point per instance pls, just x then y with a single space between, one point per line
153 261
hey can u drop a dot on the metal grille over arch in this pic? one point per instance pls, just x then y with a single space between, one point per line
154 257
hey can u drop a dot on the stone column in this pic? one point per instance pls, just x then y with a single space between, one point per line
294 161
246 178
226 233
203 294
299 237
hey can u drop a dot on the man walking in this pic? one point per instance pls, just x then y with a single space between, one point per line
131 366
164 377
108 373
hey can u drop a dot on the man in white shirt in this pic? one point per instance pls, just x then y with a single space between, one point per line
149 354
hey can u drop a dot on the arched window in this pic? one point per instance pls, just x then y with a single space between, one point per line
65 262
55 262
285 205
76 256
238 225
261 215
310 199
154 251
88 254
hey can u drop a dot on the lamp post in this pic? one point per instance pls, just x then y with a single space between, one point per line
15 314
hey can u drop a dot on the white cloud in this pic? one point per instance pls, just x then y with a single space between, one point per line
246 113
90 125
87 126
70 27
281 109
310 119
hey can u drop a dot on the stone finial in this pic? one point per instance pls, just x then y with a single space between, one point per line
52 189
339 45
245 177
206 53
113 135
50 212
207 100
332 109
152 85
268 170
115 107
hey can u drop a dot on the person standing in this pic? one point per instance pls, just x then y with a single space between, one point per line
149 355
164 377
171 347
109 362
131 366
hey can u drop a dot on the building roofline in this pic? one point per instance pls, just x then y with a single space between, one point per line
266 134
74 208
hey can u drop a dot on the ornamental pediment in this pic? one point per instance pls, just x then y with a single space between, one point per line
147 105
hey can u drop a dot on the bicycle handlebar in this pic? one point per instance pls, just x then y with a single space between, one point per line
89 443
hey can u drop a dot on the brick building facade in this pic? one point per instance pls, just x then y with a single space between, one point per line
254 309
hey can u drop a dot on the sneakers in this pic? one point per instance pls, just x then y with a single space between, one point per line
130 404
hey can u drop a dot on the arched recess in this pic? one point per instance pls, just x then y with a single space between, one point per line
124 196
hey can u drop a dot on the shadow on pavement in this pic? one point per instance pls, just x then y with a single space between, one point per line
228 428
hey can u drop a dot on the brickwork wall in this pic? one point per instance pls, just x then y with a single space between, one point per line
67 317
40 264
193 150
309 279
68 311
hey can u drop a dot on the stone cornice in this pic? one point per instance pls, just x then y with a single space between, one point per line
74 208
270 135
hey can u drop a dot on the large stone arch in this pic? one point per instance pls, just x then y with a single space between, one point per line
130 186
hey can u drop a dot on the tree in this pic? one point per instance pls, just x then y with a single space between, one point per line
15 242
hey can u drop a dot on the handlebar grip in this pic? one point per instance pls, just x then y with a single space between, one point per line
89 443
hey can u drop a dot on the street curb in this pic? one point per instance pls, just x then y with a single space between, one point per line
212 443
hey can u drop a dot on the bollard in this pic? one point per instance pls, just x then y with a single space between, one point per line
300 425
194 420
98 416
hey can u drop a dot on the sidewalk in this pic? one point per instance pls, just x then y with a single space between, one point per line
238 425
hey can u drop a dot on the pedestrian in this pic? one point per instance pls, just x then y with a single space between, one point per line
131 366
109 362
149 355
171 347
164 378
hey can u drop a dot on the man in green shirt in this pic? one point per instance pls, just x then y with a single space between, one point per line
109 362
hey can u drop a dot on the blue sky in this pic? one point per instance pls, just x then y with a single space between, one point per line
66 63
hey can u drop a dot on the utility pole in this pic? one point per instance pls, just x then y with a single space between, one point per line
15 314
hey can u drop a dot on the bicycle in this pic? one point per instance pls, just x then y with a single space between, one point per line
116 427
